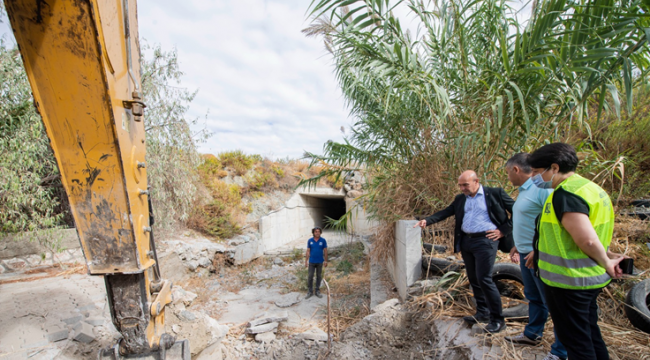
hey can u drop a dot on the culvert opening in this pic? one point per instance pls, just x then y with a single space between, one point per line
322 207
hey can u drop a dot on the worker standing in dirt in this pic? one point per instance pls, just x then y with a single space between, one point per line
482 227
315 260
527 208
571 256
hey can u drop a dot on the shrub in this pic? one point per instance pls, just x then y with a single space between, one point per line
217 218
211 165
264 180
239 161
30 188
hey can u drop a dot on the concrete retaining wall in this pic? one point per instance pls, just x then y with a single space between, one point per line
360 224
406 267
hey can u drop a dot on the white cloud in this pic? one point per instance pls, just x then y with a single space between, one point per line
269 89
266 88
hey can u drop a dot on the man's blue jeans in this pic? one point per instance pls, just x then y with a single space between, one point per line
537 310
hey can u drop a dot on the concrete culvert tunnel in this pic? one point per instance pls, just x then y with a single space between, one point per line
306 209
322 207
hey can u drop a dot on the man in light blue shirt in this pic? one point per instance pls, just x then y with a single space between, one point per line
528 206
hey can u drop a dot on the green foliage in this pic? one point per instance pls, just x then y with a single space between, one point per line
473 87
262 179
239 161
27 199
217 217
345 266
278 171
627 138
300 284
351 255
30 191
297 254
172 159
211 165
218 220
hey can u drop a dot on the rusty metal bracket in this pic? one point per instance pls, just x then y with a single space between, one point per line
137 108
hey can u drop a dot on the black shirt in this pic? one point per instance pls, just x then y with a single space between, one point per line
564 202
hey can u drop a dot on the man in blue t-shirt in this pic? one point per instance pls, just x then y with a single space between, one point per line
315 259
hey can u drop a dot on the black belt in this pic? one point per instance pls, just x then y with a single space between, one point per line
475 235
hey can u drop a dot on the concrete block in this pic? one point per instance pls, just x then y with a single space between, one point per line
266 338
87 308
269 317
95 320
54 334
15 264
204 261
407 265
247 252
262 328
313 334
212 352
186 315
73 319
83 332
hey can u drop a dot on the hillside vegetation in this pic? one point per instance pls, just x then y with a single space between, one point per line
234 181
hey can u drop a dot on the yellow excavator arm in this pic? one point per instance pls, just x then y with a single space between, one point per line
82 59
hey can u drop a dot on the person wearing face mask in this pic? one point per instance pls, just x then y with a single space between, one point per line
528 206
571 254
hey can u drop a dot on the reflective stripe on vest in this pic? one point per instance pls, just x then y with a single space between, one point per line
561 262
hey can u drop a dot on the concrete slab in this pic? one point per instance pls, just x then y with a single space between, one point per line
406 267
32 312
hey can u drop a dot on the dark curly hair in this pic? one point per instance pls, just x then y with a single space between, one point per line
564 155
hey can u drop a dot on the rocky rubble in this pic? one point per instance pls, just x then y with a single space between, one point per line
196 253
205 332
353 185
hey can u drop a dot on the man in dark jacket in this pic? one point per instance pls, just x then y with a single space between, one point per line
482 227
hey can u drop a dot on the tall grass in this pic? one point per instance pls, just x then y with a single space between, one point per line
472 87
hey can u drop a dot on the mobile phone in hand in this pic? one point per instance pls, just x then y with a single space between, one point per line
627 265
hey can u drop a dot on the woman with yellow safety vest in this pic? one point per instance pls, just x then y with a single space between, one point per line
572 257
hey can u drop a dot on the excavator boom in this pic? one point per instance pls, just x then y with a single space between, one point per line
82 59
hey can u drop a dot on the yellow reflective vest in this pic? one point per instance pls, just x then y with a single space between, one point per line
561 262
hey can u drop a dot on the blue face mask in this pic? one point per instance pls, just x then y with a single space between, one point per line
538 180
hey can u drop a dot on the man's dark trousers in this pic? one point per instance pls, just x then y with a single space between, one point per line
575 320
479 254
310 276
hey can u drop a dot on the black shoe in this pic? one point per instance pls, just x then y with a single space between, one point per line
522 339
473 319
495 326
308 295
318 295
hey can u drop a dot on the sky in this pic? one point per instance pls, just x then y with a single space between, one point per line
265 87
